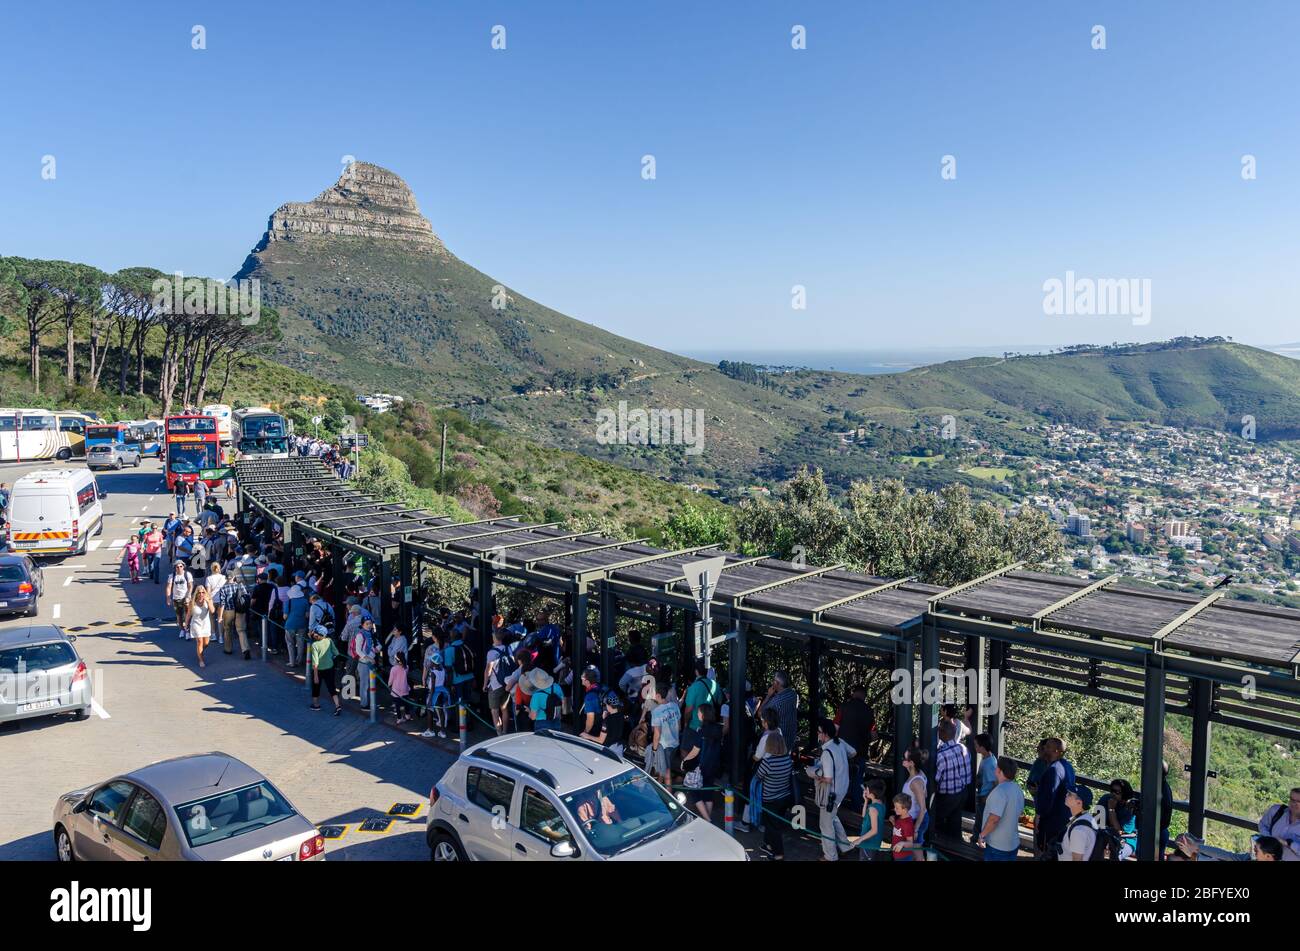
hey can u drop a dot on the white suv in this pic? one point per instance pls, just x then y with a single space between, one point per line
553 796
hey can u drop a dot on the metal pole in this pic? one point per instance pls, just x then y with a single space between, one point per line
464 726
442 462
997 694
265 633
705 626
374 697
608 618
1153 736
386 619
579 644
929 668
729 811
736 751
904 667
404 573
1202 703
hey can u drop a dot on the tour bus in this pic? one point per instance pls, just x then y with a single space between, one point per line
220 412
193 446
261 433
54 512
151 436
32 434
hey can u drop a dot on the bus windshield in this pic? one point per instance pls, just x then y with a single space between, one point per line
190 458
262 427
192 424
109 433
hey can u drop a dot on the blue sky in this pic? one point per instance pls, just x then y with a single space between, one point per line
775 167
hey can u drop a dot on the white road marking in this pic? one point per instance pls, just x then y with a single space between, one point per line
67 581
99 711
143 508
93 544
117 543
57 610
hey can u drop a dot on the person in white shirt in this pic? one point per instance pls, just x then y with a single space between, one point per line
831 775
1081 832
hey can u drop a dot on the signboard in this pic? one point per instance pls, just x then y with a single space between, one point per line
696 570
214 475
355 440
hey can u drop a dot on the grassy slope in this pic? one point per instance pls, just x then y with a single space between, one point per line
362 312
560 484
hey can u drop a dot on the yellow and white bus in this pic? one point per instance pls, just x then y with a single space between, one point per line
32 434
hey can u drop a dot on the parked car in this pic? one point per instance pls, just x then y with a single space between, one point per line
112 456
22 582
552 796
204 807
41 673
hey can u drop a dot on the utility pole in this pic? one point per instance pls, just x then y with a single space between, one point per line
442 463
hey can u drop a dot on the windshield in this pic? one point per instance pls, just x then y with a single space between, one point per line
232 813
623 812
110 433
189 458
260 427
192 424
271 444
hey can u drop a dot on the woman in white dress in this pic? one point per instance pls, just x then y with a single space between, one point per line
201 621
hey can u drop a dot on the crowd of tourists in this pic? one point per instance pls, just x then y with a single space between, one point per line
327 452
226 575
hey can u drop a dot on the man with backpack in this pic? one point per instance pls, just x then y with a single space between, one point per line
233 601
361 649
703 690
545 702
1081 841
180 586
459 661
501 664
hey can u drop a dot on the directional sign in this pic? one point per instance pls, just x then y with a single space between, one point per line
696 570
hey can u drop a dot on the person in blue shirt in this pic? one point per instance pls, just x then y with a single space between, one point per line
295 620
1052 814
985 780
591 716
458 682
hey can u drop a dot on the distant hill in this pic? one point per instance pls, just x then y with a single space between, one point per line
371 297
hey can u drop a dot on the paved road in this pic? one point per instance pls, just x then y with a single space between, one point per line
159 704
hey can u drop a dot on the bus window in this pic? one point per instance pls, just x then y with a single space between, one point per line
37 423
71 424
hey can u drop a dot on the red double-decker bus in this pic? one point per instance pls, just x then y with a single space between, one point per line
193 446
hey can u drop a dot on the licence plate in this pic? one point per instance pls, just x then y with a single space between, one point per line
37 705
4 604
285 858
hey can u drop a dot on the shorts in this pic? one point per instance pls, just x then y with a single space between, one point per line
440 698
658 761
497 697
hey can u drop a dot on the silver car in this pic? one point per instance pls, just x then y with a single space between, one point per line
112 456
552 796
41 673
205 807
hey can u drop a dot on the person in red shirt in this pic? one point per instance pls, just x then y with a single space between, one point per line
904 829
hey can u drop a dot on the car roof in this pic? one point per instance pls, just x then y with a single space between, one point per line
196 776
50 475
13 558
563 762
12 635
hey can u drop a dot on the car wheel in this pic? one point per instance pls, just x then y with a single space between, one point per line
83 713
31 612
64 454
63 845
445 848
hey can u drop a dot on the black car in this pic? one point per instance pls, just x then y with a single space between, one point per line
21 585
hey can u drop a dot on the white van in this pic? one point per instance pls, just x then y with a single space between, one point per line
54 512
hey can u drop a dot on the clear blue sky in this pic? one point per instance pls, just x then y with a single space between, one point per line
775 167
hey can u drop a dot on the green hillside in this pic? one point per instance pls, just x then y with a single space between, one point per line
378 306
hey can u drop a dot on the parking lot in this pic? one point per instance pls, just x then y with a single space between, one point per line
156 703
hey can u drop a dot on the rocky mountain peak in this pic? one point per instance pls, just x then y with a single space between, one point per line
367 201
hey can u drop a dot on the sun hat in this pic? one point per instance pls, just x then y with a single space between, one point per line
540 679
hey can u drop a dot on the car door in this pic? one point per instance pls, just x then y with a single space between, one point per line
144 825
487 833
541 826
101 820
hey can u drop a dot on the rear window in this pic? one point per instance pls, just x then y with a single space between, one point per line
13 573
37 657
233 813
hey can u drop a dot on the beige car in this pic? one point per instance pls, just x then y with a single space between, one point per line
206 807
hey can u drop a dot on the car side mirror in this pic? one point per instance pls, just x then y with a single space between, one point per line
563 850
81 806
103 494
